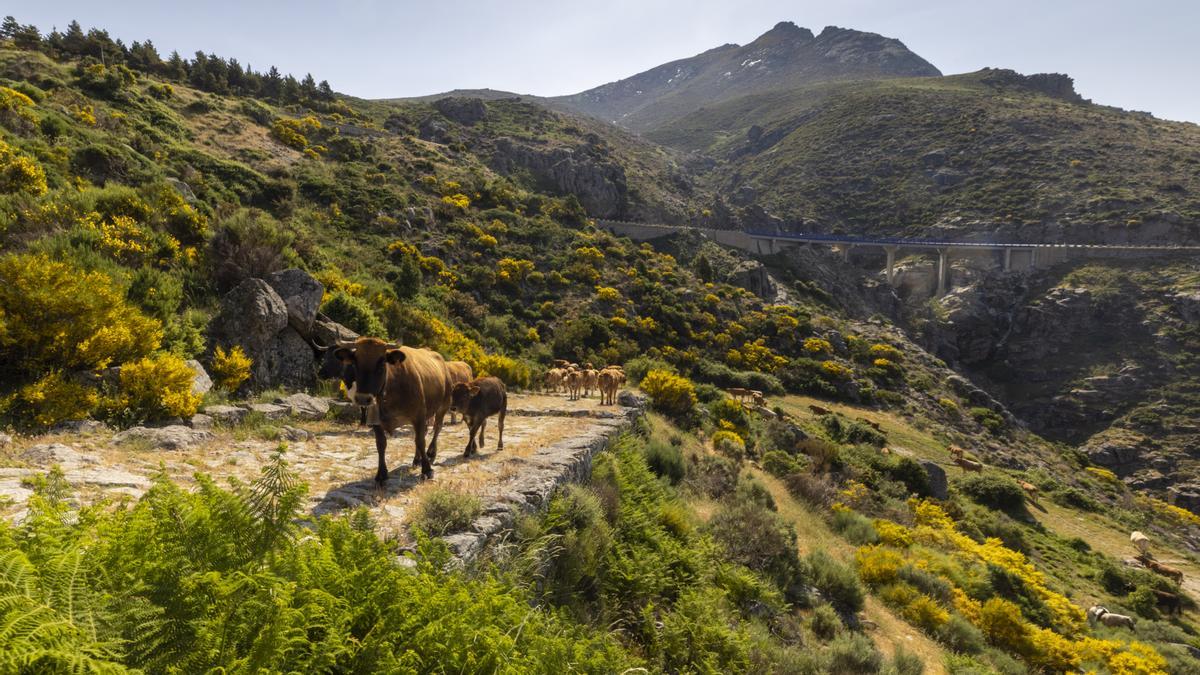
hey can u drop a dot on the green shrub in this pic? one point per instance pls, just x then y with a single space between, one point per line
960 635
443 510
855 527
729 444
854 653
989 419
354 313
780 464
837 582
760 539
825 622
994 490
665 460
904 663
158 293
855 432
637 368
713 476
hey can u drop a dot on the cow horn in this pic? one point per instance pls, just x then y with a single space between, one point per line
392 345
346 343
317 344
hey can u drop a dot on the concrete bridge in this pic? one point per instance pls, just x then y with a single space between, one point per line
1013 256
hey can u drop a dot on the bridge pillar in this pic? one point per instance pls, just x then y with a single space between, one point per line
846 252
942 267
1008 260
891 264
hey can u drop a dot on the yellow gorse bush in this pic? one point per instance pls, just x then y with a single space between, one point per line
669 393
230 368
294 132
56 316
53 399
157 387
19 173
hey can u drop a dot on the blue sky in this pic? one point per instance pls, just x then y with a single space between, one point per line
1138 55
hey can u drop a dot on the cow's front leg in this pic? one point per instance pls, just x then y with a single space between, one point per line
471 428
381 475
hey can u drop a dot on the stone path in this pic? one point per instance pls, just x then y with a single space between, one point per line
548 440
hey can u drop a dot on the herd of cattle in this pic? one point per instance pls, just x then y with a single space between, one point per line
581 382
395 385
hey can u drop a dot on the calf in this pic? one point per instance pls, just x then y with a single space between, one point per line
818 410
478 400
460 371
554 380
757 397
1031 491
574 382
968 464
591 380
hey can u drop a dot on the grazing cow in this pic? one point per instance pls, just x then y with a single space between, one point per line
561 363
1031 491
957 455
407 386
1141 542
478 400
757 397
1097 613
1171 603
460 371
1160 569
818 410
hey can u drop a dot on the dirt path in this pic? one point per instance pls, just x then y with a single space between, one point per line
338 461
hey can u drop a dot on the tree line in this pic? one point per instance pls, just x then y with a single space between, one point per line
207 72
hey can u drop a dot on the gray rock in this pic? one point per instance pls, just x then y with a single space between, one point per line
225 414
294 434
107 477
752 276
200 421
345 411
1185 497
182 188
937 479
301 293
167 438
252 315
632 399
463 110
269 410
598 182
49 454
434 131
327 332
290 361
81 427
1188 305
201 382
13 490
306 407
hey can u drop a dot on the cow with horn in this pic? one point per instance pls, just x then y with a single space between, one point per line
399 385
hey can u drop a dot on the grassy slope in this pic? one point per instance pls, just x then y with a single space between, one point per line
850 155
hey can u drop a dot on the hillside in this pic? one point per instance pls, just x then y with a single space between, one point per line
151 208
990 154
784 57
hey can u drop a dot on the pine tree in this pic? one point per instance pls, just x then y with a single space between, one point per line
10 28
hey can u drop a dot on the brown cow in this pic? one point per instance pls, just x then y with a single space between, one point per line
608 381
1162 570
818 410
460 371
1169 602
590 380
738 393
407 386
574 382
477 400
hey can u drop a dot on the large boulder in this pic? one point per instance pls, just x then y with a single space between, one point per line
305 406
597 181
290 361
938 486
301 293
252 315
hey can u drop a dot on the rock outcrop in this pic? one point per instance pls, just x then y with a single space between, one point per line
301 293
461 109
597 181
